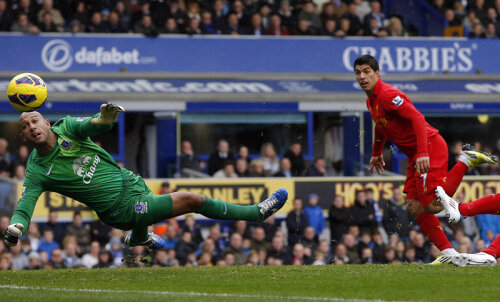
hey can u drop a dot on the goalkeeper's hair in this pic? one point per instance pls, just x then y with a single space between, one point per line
368 60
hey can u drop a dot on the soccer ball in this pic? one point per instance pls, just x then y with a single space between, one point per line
27 92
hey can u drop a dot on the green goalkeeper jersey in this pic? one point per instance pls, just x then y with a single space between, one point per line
78 168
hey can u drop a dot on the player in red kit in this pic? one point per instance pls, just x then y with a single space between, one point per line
397 120
456 210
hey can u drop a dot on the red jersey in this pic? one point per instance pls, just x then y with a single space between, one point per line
399 121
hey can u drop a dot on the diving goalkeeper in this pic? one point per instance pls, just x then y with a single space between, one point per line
66 161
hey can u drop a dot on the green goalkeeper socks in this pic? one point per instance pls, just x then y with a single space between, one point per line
218 209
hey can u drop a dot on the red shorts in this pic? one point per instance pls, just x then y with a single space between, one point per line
421 186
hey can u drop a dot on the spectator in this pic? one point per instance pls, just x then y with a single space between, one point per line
115 26
378 247
34 261
243 153
105 260
470 19
372 29
33 235
242 168
188 158
318 168
298 254
184 247
279 251
99 232
449 15
232 27
47 243
22 156
276 28
294 153
207 25
339 217
296 222
421 249
47 25
191 226
351 250
269 159
375 13
356 28
56 17
378 206
227 171
219 15
396 218
4 224
341 255
287 16
159 12
314 214
171 238
5 163
25 7
57 228
24 26
330 28
6 17
271 226
257 168
70 256
219 157
97 24
146 27
309 239
259 242
396 28
309 14
488 222
171 28
327 13
19 260
5 258
165 188
303 29
178 14
285 168
92 257
124 15
265 13
236 248
480 8
491 31
363 213
193 10
241 15
256 28
241 227
81 233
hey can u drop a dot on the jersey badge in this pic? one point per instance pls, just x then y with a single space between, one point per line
398 101
66 145
141 207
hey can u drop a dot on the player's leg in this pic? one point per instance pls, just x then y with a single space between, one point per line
486 257
487 205
469 158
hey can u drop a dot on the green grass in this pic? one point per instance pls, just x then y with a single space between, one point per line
266 283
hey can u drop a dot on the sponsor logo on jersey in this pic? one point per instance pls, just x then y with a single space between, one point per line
82 118
141 207
24 191
398 101
85 167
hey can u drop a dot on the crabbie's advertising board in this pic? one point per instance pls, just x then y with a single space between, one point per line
253 190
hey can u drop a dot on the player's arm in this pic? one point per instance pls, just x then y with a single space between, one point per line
90 126
377 161
24 211
406 110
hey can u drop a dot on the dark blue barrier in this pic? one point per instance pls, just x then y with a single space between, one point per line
59 53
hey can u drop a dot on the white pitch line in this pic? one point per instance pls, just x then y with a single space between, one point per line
192 294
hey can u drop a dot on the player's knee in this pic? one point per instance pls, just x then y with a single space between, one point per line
434 207
414 207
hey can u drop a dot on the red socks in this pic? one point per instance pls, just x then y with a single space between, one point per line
429 224
454 178
487 205
494 248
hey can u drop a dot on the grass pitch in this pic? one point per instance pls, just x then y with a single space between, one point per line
266 283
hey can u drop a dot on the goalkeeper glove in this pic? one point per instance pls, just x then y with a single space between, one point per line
109 114
12 234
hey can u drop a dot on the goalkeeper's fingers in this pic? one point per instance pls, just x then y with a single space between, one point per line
109 107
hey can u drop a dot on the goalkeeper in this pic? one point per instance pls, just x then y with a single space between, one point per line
66 161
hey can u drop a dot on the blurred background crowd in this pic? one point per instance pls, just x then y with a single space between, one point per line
334 18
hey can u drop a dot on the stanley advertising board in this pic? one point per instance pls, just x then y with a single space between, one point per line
253 190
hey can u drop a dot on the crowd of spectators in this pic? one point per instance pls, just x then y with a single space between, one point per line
336 18
369 232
